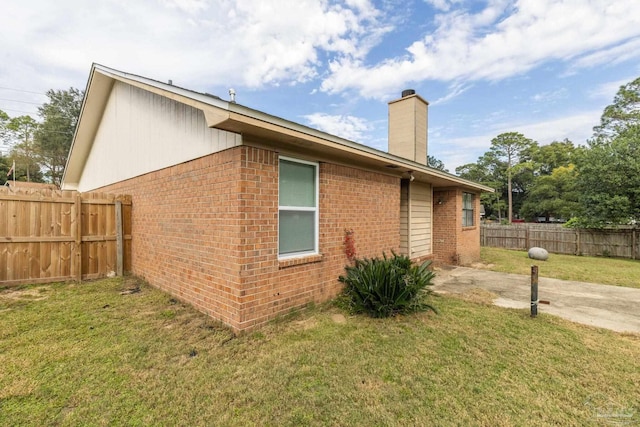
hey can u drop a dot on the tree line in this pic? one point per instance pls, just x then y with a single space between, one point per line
594 185
39 148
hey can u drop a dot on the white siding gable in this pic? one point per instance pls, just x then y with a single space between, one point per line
141 132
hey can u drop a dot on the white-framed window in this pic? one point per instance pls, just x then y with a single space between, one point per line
297 207
468 214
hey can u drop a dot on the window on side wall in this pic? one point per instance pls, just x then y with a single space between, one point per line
468 202
297 208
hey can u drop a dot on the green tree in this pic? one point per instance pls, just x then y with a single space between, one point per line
510 148
554 195
490 171
623 113
436 163
24 151
609 169
53 137
547 158
5 165
5 140
21 129
609 179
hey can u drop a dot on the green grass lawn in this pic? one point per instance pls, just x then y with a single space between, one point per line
87 354
607 271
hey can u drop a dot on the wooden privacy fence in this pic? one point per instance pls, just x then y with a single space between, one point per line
49 236
621 242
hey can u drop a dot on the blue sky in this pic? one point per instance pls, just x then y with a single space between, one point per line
546 68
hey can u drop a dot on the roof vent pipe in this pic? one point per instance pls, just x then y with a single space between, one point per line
170 82
408 92
232 95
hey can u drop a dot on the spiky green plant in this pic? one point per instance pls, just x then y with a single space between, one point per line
383 287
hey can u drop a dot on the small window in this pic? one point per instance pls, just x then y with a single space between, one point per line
468 202
298 208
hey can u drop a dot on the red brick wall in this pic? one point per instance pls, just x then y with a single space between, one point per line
366 202
469 240
447 221
452 243
206 232
186 233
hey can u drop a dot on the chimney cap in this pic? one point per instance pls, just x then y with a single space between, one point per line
408 92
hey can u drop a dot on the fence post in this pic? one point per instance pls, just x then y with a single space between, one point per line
119 240
577 241
78 237
526 238
534 290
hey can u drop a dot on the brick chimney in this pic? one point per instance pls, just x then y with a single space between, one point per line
408 127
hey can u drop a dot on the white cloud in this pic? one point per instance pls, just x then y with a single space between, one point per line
607 91
551 96
189 6
576 127
504 39
345 126
443 5
621 53
249 42
455 91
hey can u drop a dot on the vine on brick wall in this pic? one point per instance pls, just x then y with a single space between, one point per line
349 244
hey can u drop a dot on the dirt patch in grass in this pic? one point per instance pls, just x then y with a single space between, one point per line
478 296
482 266
14 297
339 318
306 324
26 294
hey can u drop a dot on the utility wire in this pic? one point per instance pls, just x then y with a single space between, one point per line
25 91
23 102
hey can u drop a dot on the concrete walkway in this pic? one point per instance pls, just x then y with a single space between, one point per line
604 306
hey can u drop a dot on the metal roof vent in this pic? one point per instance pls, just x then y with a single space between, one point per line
408 92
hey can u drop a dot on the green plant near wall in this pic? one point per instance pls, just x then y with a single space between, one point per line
383 287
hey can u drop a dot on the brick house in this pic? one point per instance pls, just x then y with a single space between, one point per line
243 214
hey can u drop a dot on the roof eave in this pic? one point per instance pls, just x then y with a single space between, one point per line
247 121
236 118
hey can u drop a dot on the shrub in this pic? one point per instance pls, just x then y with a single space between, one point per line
383 287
